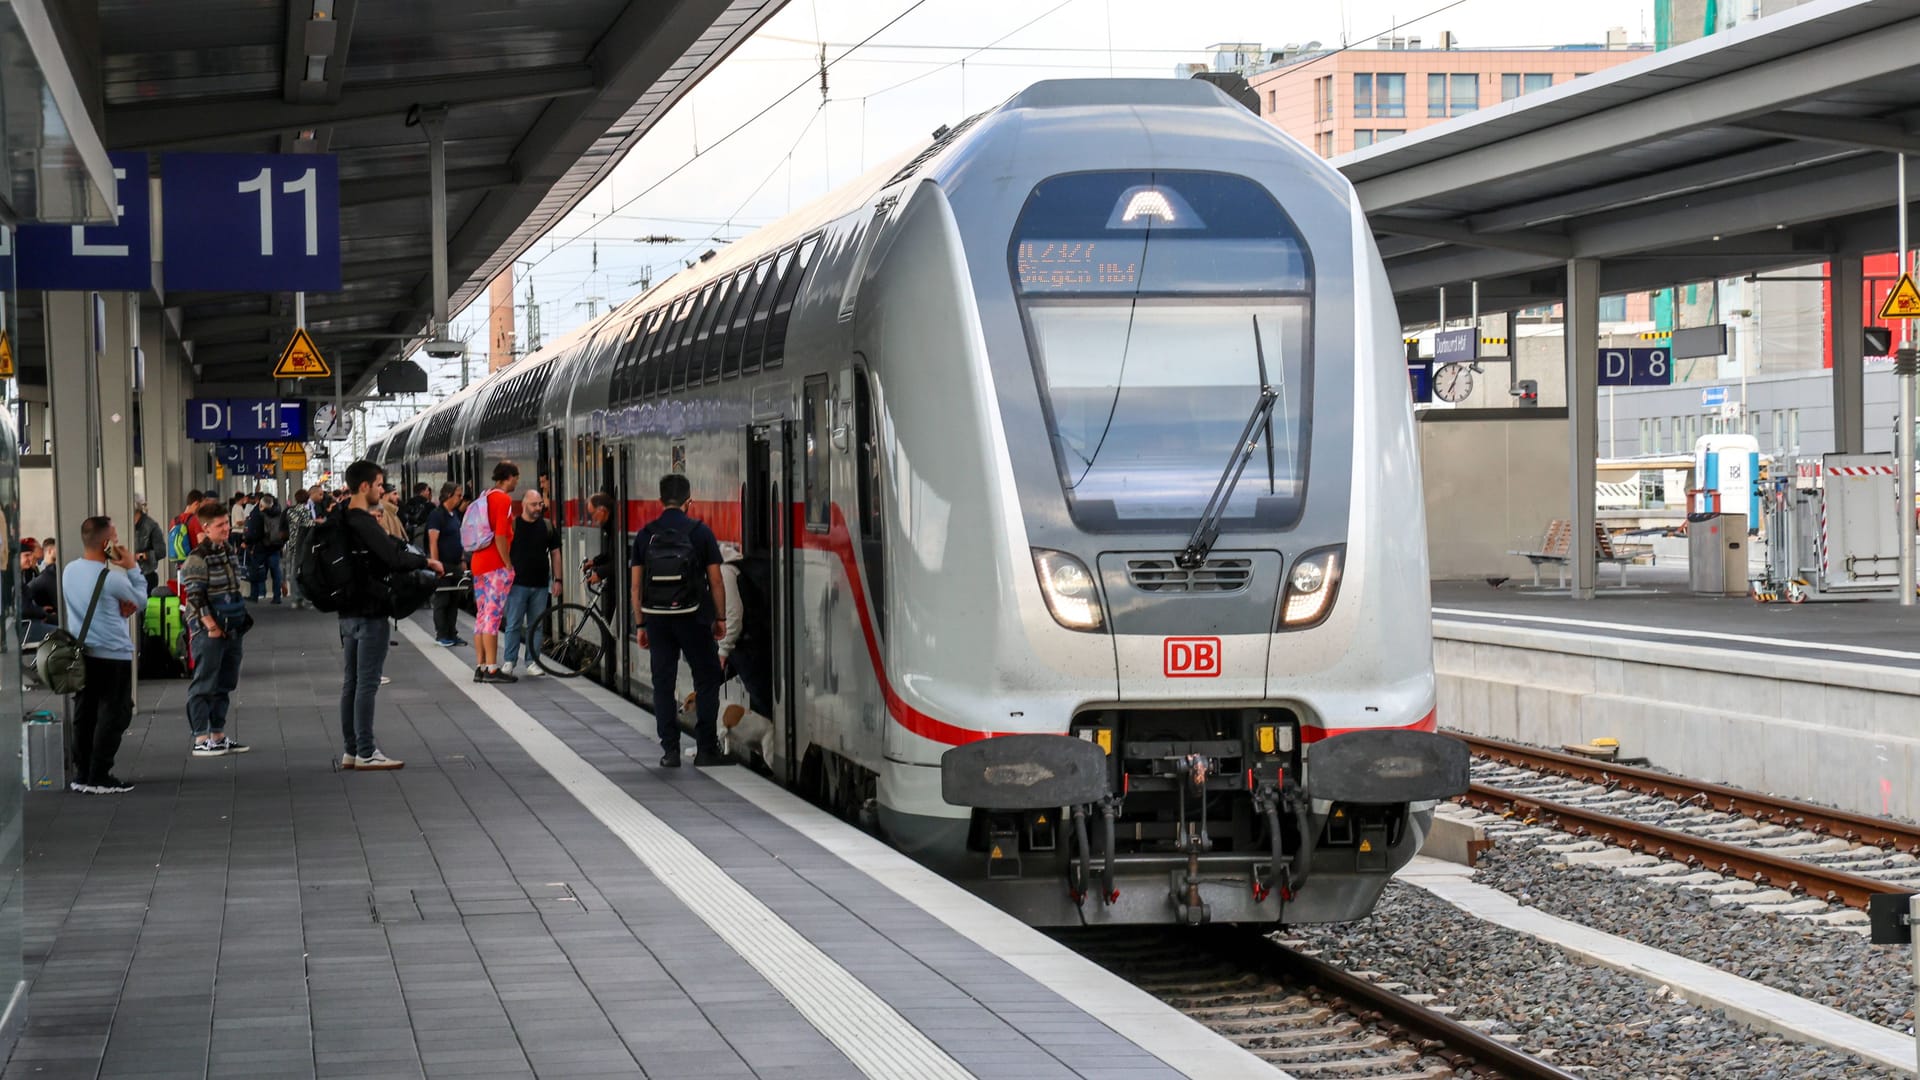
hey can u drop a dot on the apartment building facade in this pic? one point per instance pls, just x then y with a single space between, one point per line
1344 101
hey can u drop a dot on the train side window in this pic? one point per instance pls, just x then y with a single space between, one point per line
814 471
867 459
783 306
655 374
662 380
716 332
730 336
684 357
763 311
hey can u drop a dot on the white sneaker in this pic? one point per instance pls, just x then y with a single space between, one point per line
534 671
347 761
377 760
506 669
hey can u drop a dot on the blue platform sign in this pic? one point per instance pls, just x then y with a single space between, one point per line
262 420
116 257
1636 367
1420 376
1713 397
1450 346
251 222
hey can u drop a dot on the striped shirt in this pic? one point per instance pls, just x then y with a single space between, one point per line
209 572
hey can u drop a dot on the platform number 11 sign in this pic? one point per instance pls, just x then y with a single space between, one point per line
251 222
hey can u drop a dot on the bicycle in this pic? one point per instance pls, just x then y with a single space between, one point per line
575 637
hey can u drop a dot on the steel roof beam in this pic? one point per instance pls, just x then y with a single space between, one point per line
228 325
1524 241
382 189
1718 102
1840 130
171 125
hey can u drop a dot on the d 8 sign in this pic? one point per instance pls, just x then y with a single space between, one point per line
1191 657
251 222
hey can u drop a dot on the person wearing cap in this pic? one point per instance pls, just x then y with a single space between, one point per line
149 543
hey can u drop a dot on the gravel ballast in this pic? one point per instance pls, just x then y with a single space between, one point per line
1833 967
1584 1019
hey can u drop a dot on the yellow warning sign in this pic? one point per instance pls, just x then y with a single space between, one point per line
6 356
301 359
293 461
1903 302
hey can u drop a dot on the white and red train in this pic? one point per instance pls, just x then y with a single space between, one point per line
1085 419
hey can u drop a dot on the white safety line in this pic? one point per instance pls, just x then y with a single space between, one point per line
1181 1042
878 1040
1478 616
1754 1004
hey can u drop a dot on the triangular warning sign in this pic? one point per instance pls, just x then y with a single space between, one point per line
302 359
6 356
1903 302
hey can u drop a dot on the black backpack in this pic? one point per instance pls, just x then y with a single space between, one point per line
672 580
330 576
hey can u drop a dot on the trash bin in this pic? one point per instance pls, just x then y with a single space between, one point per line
1717 554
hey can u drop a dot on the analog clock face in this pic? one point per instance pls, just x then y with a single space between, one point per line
1452 383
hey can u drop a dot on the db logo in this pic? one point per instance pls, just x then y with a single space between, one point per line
1191 657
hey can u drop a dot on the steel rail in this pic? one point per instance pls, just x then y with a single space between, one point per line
1751 864
1460 1040
1858 828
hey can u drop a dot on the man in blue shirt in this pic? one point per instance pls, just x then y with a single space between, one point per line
676 575
102 711
443 543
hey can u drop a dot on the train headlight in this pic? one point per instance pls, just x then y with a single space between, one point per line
1072 595
1311 588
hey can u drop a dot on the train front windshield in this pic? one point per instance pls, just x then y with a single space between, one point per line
1157 305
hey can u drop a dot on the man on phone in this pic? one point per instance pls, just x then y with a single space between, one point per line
103 710
216 618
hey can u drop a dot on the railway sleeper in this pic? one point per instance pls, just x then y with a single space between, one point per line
1382 1051
1328 1036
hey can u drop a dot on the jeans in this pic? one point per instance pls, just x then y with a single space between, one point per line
216 671
365 639
292 556
668 638
101 715
266 563
446 610
528 604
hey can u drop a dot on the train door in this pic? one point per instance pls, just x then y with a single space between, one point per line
767 532
616 477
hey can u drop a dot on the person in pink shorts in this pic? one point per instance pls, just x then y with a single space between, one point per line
493 575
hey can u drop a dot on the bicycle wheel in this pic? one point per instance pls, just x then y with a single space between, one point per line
575 641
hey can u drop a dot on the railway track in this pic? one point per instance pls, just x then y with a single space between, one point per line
1803 849
1301 1014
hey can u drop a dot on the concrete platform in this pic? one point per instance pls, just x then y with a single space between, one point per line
530 896
1812 701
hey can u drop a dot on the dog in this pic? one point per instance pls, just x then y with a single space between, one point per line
743 732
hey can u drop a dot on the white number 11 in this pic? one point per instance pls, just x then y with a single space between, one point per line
307 185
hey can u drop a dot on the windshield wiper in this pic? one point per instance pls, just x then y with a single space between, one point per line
1200 544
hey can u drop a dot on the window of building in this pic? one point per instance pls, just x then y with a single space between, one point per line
1363 94
1362 138
1436 94
1323 143
1392 95
1273 102
1659 435
1464 93
1381 135
1646 436
1323 109
1613 308
1512 86
1793 429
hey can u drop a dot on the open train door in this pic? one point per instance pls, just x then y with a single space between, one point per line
767 532
616 469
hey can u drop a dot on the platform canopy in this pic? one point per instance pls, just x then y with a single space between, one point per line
1765 146
544 99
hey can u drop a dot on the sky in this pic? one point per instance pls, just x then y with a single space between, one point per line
700 178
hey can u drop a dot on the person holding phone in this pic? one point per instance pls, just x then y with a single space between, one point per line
102 711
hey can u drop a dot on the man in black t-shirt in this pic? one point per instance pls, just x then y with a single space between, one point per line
677 619
443 543
534 553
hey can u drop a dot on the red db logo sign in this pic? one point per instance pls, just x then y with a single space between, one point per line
1191 657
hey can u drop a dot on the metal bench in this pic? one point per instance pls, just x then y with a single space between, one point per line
1556 546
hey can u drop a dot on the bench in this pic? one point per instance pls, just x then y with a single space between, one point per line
1556 545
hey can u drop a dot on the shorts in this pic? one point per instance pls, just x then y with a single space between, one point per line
490 599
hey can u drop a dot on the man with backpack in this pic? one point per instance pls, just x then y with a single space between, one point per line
414 514
266 538
486 534
349 564
180 531
217 621
676 578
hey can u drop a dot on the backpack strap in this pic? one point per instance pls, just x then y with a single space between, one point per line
99 586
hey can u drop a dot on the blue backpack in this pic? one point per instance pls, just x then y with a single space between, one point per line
177 546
